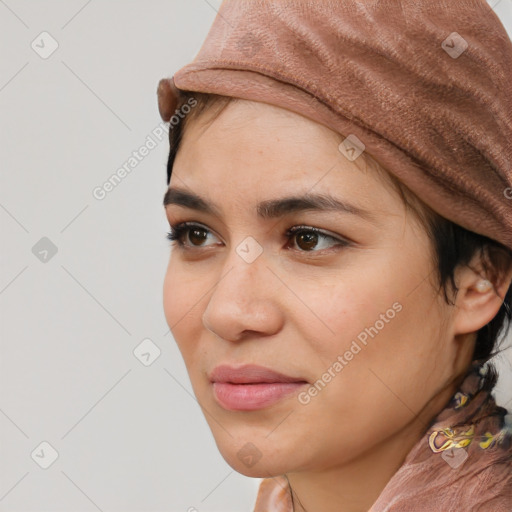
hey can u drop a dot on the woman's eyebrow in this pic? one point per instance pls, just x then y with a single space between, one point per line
272 208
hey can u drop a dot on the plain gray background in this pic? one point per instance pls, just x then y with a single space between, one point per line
81 277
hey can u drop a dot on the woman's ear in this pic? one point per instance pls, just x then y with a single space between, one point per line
167 94
480 296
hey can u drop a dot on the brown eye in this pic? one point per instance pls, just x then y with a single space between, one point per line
307 240
197 235
188 235
310 239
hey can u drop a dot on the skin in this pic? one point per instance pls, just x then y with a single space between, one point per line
297 307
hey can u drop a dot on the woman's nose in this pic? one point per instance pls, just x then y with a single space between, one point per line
245 298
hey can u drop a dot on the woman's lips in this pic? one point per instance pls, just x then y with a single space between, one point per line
250 387
250 397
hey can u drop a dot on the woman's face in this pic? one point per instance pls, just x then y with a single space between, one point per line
355 316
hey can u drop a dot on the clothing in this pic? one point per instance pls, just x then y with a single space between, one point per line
422 86
463 463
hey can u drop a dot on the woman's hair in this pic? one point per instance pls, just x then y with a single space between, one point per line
453 245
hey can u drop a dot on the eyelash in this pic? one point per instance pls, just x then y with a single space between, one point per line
177 231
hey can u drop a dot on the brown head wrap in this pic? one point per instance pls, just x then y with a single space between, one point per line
423 86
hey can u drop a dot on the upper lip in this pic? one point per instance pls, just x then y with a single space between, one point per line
249 373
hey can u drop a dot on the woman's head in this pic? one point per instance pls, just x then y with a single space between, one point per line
369 312
452 245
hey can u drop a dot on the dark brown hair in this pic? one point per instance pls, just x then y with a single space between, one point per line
453 245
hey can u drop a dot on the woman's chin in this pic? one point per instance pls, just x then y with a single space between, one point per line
253 462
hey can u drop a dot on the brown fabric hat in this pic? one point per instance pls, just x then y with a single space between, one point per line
423 86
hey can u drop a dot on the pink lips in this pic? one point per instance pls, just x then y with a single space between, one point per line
251 387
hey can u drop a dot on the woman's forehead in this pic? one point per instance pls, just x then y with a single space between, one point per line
252 144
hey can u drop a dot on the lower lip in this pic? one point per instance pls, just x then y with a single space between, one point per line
249 397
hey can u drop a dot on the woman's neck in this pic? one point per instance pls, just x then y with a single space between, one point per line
356 485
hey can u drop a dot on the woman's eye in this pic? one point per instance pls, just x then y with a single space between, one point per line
309 239
194 233
188 235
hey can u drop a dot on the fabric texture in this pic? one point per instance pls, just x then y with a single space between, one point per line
463 463
423 86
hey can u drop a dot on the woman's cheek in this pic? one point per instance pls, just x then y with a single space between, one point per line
179 299
170 299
